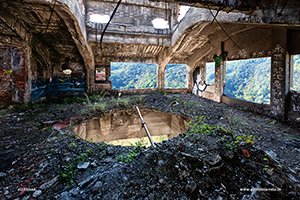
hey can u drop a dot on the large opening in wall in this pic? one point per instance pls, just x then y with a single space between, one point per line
133 75
210 73
175 76
182 12
295 73
249 80
124 127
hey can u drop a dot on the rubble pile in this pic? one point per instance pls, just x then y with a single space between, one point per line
210 161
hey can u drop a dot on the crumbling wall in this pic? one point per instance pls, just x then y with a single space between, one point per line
294 106
13 74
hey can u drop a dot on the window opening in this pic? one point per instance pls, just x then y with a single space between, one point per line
175 76
182 12
100 73
210 73
133 75
97 18
249 80
160 23
295 75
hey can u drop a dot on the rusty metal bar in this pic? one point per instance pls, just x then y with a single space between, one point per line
145 126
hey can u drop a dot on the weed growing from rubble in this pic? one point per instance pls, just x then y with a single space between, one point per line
198 126
127 158
124 101
83 157
138 146
68 173
101 106
102 146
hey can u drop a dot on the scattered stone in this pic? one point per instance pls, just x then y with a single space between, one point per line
215 160
107 160
183 174
151 197
110 151
84 165
269 172
6 192
74 192
94 164
190 187
37 193
97 187
2 174
87 181
48 184
292 193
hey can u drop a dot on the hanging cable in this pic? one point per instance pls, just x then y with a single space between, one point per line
280 13
222 27
111 17
50 16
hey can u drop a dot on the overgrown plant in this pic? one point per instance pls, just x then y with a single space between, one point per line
128 157
83 157
68 173
198 126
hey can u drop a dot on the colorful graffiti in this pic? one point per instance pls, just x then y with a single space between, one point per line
56 86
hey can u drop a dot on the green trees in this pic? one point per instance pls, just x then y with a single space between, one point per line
144 76
175 76
133 75
296 73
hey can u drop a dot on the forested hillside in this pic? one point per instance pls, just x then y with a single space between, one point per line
175 76
133 75
296 77
249 79
144 76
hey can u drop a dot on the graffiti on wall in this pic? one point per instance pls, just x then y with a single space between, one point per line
295 97
12 74
56 86
278 80
197 79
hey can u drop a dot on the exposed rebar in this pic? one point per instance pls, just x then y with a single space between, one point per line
145 126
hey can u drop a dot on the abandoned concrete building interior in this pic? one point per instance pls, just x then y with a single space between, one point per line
51 48
42 40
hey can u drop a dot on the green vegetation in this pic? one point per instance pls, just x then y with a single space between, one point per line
225 137
210 73
249 80
133 75
127 158
175 76
296 73
144 76
68 173
83 157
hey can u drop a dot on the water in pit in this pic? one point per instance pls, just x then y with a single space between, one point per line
124 127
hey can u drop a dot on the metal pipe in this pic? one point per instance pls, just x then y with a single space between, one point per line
145 126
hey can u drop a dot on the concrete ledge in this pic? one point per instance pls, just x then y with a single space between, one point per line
263 109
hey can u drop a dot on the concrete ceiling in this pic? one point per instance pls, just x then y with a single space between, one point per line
34 18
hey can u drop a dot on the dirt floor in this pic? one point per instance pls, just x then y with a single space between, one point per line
226 154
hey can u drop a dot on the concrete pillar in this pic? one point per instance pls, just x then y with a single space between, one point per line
90 80
278 73
218 82
28 71
161 75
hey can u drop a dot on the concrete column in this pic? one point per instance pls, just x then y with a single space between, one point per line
219 74
161 77
190 79
28 71
278 73
90 80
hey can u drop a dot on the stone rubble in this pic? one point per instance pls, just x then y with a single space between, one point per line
188 166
